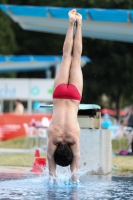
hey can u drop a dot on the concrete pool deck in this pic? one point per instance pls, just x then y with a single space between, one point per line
21 151
12 169
26 170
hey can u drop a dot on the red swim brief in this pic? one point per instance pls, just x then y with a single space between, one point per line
66 91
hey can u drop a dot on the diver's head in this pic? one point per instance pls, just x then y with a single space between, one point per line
63 155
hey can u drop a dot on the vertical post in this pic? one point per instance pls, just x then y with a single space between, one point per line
1 106
10 106
56 68
29 106
48 73
95 143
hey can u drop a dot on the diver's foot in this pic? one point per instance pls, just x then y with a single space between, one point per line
78 18
72 15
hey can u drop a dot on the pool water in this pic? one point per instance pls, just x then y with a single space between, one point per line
90 188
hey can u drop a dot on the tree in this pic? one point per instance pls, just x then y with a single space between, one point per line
7 36
110 72
118 4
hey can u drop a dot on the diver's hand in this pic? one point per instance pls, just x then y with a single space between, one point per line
74 177
71 182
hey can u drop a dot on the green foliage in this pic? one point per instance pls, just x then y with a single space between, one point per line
17 159
119 144
7 36
121 4
16 143
8 75
110 72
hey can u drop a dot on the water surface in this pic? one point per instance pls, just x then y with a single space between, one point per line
16 186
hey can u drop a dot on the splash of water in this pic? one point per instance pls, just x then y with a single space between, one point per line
64 176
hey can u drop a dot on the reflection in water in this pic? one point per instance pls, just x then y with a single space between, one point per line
90 187
56 193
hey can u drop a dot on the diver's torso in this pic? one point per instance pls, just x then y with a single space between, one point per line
64 124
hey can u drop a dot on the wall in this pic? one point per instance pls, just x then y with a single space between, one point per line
28 90
96 151
34 89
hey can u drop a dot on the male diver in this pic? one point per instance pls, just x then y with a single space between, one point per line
64 131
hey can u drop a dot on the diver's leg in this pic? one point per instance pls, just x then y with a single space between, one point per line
76 77
62 75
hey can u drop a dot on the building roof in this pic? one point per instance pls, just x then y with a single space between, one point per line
30 63
111 24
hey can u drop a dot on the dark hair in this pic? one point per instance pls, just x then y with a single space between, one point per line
63 155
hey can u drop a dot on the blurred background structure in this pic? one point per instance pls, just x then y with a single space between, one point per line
30 91
111 24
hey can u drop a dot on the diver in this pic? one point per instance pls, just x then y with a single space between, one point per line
64 131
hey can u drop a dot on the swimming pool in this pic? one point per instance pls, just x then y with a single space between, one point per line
14 186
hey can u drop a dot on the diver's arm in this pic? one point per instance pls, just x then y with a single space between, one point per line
50 156
51 166
74 165
74 169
